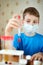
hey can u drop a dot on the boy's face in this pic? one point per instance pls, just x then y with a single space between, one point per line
31 19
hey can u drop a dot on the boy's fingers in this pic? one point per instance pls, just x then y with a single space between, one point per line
13 20
14 23
13 26
40 59
36 58
33 57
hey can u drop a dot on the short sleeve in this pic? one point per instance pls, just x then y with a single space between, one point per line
42 45
42 49
15 42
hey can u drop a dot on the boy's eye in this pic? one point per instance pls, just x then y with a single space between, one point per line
34 22
28 21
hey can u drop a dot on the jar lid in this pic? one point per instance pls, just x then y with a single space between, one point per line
28 57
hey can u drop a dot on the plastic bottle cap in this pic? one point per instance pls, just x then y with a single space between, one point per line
19 17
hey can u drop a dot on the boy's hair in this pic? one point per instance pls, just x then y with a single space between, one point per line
31 11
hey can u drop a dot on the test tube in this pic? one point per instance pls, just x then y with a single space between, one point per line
19 31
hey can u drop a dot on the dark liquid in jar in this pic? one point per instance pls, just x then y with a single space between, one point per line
29 62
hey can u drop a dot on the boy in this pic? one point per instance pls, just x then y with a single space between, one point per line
31 42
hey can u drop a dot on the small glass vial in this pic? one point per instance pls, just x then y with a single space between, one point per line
37 62
22 62
29 62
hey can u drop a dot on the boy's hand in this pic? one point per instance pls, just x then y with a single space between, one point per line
37 56
12 24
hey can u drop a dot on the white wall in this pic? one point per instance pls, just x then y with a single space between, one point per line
10 7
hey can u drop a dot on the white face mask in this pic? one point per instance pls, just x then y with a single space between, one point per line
28 28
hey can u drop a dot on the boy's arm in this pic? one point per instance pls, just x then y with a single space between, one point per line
39 55
11 25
